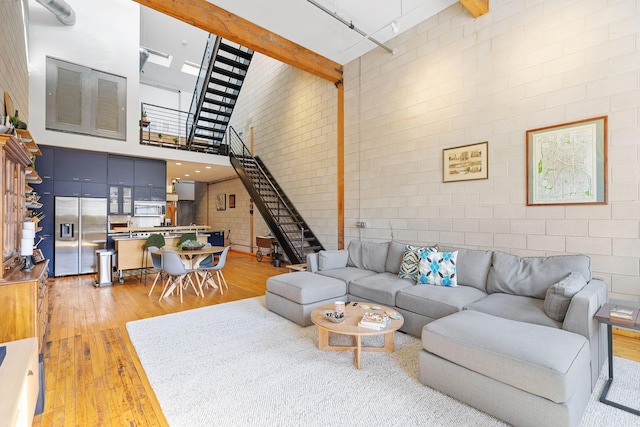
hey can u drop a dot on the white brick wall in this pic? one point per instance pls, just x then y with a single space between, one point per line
524 65
293 116
235 222
456 80
14 76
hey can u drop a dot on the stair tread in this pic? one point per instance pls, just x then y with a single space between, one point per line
236 51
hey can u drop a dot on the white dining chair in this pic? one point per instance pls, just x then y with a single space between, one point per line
217 267
156 262
179 276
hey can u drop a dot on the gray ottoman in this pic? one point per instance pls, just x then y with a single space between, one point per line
525 374
295 295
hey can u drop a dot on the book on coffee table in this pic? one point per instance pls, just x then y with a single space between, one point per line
376 321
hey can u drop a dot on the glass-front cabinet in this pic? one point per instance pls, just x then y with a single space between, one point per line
120 200
14 160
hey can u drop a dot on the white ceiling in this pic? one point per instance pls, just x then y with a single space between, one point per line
299 21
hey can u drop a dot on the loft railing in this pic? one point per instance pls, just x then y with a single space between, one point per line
162 126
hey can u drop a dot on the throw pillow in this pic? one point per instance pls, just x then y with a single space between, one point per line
355 254
374 256
329 260
411 261
558 297
438 268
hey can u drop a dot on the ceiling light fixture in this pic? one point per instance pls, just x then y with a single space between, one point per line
159 58
350 25
190 68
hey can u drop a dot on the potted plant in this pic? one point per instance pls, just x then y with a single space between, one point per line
144 122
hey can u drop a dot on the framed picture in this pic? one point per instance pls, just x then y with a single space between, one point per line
567 164
221 200
466 162
232 201
37 256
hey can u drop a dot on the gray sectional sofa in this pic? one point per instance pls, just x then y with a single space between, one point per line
515 338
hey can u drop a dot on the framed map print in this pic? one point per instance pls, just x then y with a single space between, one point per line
567 164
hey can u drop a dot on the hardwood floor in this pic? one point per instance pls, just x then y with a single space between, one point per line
92 374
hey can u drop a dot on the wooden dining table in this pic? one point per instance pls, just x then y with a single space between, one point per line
192 259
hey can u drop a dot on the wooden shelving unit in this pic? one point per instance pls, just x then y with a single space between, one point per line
24 293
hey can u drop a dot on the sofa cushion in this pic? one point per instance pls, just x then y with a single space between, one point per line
438 268
532 276
514 307
558 297
328 260
436 301
472 267
374 256
394 257
346 274
546 362
380 288
304 287
410 267
355 254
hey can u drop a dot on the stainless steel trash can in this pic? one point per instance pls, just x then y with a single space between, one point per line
104 262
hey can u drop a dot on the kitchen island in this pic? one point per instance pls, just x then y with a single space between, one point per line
129 243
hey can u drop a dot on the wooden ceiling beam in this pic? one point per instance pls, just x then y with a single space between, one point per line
476 7
213 19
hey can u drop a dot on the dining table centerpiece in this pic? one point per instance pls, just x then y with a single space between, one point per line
190 245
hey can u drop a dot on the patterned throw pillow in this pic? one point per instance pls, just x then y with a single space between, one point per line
411 261
438 268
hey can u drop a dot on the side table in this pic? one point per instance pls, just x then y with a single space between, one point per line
297 267
603 317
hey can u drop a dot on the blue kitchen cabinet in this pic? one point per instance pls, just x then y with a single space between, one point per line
120 170
150 180
44 163
120 200
94 189
156 194
67 188
80 165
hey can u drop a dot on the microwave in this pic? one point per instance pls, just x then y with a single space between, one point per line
149 208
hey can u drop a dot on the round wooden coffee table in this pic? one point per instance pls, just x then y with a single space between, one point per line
349 326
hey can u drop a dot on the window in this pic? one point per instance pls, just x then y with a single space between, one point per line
85 101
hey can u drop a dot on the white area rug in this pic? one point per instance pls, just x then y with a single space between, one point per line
238 364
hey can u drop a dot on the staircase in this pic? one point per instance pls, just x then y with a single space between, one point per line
288 227
217 90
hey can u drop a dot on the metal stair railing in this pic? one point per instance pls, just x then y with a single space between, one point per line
213 42
262 185
217 91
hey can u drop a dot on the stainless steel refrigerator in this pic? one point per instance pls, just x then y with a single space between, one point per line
80 230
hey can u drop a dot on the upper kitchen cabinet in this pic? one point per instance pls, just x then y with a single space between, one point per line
80 165
150 182
44 163
120 170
